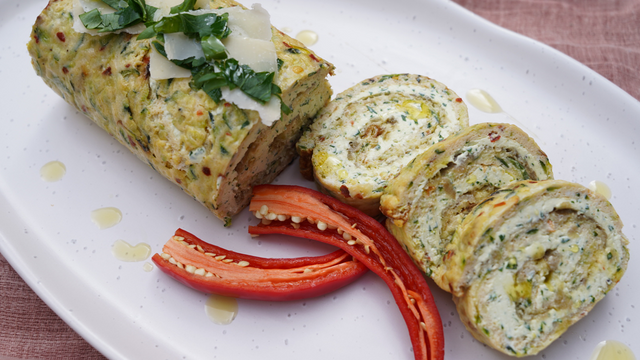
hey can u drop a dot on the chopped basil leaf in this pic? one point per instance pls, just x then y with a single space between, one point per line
185 6
160 48
209 81
284 108
116 4
256 85
191 25
91 19
129 13
213 48
147 33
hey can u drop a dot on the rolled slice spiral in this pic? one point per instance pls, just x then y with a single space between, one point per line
427 201
369 132
533 259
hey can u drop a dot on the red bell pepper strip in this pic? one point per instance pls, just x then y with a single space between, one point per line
312 215
212 269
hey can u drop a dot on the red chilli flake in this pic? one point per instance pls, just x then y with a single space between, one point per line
206 171
285 44
133 143
459 99
107 71
65 70
494 137
60 36
314 58
449 254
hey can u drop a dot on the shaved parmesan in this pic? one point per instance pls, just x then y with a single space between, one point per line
164 7
254 23
179 47
88 5
164 4
78 26
161 68
259 55
249 43
269 112
202 4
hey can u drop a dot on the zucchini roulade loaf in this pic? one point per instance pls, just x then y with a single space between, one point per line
213 124
533 259
369 132
427 201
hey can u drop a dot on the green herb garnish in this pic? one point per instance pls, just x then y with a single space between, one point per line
211 72
128 13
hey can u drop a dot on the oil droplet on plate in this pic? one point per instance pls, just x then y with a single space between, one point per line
106 217
147 267
52 171
600 188
483 101
123 251
307 37
221 309
286 29
612 350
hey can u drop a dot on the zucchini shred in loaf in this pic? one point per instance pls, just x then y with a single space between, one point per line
370 131
216 152
531 260
427 201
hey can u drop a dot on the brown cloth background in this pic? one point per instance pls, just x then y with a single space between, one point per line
602 34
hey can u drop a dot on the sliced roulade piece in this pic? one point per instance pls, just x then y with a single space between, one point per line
369 132
427 201
533 259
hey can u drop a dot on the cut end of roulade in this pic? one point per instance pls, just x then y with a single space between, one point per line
427 201
369 132
533 259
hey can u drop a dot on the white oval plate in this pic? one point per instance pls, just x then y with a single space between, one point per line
587 126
